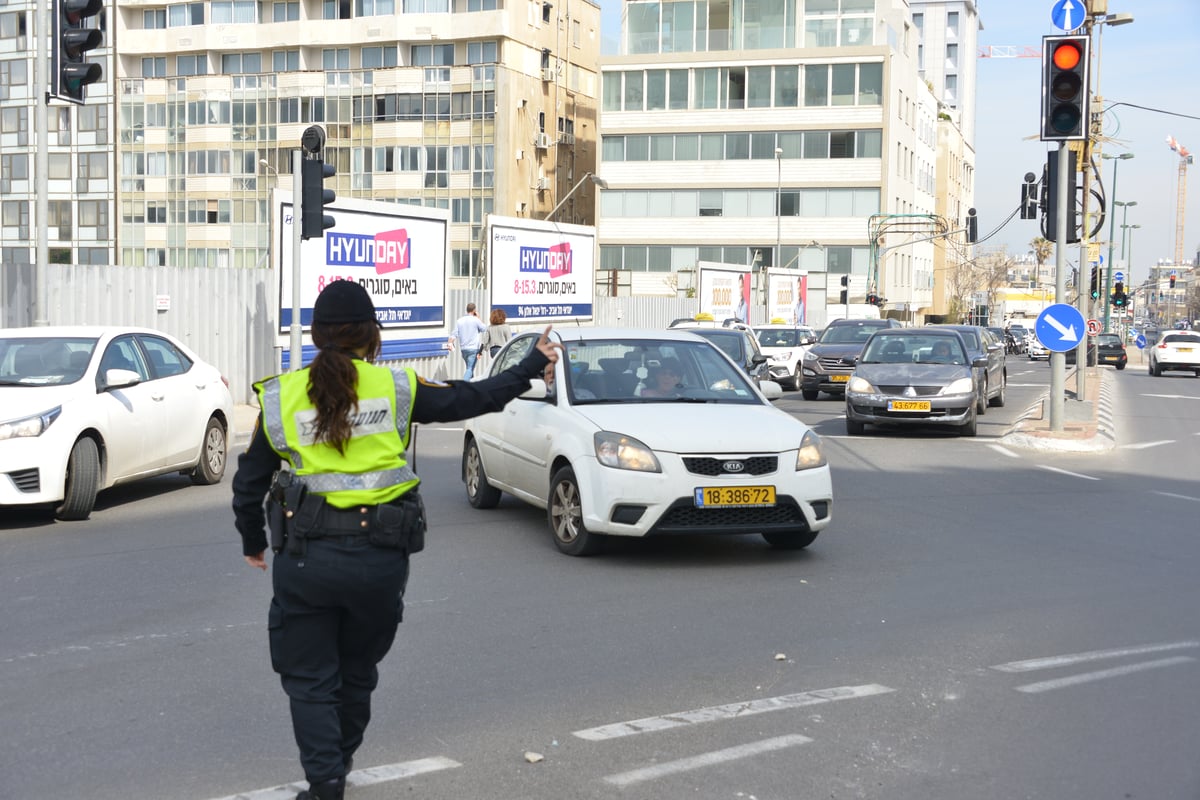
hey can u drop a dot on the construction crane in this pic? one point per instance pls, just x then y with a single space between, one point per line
1009 51
1185 158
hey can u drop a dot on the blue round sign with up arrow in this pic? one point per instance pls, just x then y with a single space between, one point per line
1068 15
1060 327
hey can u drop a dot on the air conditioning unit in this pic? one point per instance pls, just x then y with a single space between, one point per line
566 138
549 74
542 184
541 141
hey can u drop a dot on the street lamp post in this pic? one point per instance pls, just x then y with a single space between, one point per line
594 178
1126 230
1117 159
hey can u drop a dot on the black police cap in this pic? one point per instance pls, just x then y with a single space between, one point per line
344 301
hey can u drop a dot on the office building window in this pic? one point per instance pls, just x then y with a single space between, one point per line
153 19
380 57
285 12
227 12
191 65
375 8
285 61
154 67
185 14
241 63
482 52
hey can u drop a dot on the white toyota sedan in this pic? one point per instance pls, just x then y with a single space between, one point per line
648 432
86 408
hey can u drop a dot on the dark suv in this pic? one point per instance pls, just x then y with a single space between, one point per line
828 363
740 345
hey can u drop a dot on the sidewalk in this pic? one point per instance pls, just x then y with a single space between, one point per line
244 418
1087 424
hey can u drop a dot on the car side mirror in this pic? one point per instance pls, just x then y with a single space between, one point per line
981 361
120 378
758 358
537 390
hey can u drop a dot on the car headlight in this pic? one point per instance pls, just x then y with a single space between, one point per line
809 455
624 452
860 385
960 386
29 426
784 356
810 356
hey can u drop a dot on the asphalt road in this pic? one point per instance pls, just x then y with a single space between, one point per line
978 621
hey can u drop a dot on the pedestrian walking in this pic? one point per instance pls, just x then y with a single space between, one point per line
345 514
467 332
497 334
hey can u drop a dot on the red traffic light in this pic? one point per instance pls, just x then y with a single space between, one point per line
1067 55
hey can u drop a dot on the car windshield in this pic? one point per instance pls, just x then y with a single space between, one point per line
44 361
729 341
780 337
887 348
639 370
1108 338
847 334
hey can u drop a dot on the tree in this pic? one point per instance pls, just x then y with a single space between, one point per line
1042 249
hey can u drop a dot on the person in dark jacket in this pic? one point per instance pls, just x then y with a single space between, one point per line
329 450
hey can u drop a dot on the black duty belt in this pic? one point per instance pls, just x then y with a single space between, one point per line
356 519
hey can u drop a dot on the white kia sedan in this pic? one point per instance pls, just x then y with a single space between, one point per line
86 408
648 432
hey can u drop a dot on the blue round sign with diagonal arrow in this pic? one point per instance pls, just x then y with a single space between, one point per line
1060 327
1068 15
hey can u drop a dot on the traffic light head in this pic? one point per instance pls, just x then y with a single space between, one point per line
70 72
1064 88
314 197
845 295
1119 298
1171 281
1095 283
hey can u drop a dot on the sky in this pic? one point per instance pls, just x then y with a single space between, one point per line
1152 62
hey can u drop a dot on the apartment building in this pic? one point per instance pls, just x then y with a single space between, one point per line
768 134
470 105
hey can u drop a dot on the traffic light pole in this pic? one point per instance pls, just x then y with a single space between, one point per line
296 354
41 161
1058 361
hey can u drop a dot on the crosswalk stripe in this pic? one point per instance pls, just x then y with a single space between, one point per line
1086 677
359 777
1049 662
705 760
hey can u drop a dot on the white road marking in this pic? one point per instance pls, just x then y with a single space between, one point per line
1173 396
1068 472
1049 662
359 777
729 711
1176 496
623 779
1144 445
1087 677
1003 450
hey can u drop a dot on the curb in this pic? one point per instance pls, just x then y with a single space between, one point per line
1094 435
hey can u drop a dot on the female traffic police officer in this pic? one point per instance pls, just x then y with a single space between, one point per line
349 505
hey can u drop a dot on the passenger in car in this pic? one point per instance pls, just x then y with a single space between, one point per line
664 379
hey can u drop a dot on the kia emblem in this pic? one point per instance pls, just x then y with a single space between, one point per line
733 466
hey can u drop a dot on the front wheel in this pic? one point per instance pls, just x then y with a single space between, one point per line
83 481
998 400
797 380
564 511
480 493
211 468
790 541
811 394
854 427
969 428
981 402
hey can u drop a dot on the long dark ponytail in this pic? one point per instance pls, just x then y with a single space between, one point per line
333 380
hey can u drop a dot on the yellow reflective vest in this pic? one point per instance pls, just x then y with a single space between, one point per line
372 470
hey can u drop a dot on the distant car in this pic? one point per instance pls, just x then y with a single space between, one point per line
1021 336
914 376
1176 350
1037 351
827 365
992 379
87 408
739 343
785 345
605 457
1091 347
1111 350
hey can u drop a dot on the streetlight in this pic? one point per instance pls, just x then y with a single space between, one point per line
775 262
1124 229
596 179
1111 230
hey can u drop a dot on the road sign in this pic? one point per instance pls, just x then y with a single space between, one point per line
1067 15
1093 327
1119 276
1140 341
1059 327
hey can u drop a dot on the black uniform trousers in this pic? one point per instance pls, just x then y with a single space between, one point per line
332 620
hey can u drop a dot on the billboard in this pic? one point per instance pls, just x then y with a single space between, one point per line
398 253
787 296
541 271
724 291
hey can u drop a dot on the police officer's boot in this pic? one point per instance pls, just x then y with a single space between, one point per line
325 790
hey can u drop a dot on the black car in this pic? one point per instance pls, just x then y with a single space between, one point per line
828 363
1111 350
739 344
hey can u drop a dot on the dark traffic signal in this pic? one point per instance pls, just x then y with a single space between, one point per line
1095 283
1050 195
1119 298
71 39
1064 88
845 289
313 194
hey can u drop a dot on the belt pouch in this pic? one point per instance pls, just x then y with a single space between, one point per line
387 527
276 524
